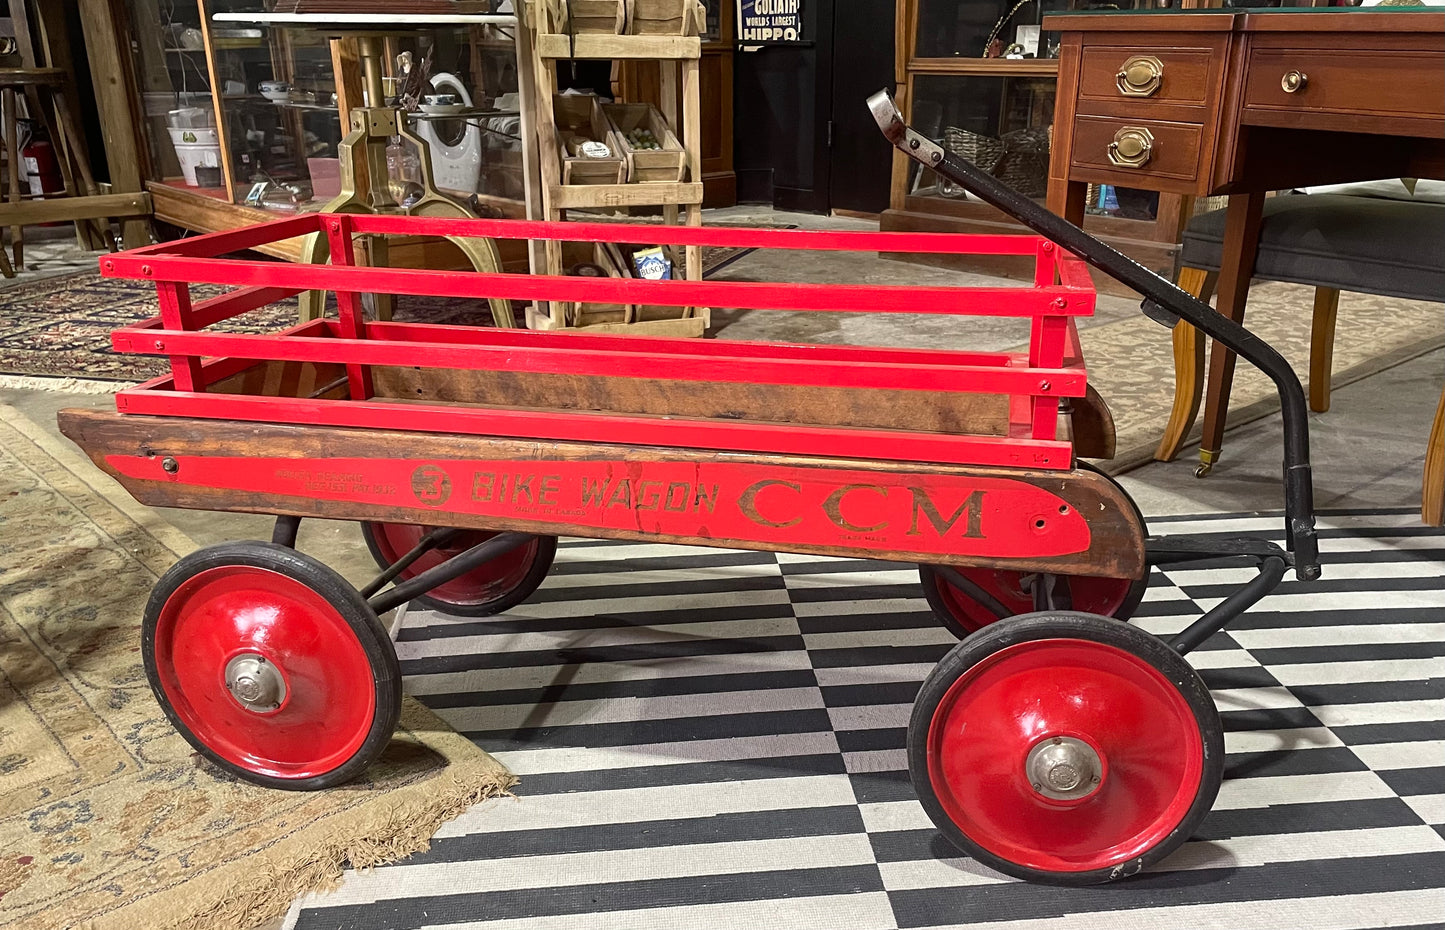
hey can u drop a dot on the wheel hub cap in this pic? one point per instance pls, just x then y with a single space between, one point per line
1063 768
256 684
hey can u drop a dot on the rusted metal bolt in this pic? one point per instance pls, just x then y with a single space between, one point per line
913 143
170 466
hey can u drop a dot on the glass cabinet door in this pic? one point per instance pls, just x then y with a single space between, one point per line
249 112
1001 123
282 122
175 85
277 100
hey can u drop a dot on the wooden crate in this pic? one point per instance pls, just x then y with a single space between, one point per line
665 17
666 164
581 115
589 17
607 257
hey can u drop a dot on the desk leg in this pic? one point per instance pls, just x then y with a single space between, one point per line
1241 242
1188 367
1067 199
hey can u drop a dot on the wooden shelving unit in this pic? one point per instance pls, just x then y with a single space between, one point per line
678 57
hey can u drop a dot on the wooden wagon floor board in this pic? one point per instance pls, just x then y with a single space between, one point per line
107 819
714 739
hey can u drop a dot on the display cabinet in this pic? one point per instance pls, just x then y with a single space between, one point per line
979 76
243 120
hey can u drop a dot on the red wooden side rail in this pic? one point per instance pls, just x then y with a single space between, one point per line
1052 369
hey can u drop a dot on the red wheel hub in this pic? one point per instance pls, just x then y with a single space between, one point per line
483 584
1088 594
1066 708
265 672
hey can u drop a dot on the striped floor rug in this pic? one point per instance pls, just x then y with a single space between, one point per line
715 739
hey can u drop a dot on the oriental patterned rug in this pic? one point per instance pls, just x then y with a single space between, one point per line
107 818
55 330
1131 362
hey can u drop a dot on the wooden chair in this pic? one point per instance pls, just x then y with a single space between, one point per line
1332 242
1432 495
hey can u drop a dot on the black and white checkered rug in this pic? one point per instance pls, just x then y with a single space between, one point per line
715 739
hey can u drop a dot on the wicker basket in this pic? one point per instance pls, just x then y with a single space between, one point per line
1019 159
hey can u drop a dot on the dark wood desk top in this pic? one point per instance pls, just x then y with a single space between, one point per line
1295 19
1214 101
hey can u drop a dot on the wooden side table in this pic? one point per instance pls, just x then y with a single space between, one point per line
1241 103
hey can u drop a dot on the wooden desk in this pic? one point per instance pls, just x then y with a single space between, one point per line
1241 102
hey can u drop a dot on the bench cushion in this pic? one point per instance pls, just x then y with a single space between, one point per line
1389 247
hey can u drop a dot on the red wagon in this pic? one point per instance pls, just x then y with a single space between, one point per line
1055 742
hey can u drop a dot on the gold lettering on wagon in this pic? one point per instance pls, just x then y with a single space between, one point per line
923 504
833 507
748 502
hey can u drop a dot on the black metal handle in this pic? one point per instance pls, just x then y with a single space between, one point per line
1159 295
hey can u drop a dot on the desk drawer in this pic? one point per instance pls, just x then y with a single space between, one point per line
1298 87
1140 73
1149 148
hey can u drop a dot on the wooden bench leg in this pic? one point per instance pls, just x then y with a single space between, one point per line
1432 495
1322 346
1188 367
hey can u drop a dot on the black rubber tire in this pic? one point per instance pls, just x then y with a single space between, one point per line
1067 625
536 574
349 604
932 581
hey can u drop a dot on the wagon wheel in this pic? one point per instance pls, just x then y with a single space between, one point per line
490 588
271 665
1066 748
962 612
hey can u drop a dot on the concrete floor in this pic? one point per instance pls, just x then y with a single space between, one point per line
1368 450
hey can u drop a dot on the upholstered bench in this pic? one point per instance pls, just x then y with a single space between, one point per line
1332 242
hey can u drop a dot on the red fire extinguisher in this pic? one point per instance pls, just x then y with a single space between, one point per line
43 169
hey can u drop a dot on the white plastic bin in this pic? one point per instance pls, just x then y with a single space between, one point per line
191 156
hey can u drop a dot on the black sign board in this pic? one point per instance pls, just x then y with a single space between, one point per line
769 22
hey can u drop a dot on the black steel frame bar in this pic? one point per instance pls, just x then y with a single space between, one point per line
1159 295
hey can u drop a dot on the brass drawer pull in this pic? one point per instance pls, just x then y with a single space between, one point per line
1140 76
1132 147
1294 81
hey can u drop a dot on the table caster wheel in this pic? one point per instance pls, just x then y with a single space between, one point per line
1206 463
490 588
271 665
961 612
1065 748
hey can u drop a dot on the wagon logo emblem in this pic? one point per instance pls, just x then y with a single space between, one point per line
431 485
